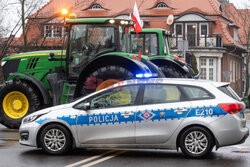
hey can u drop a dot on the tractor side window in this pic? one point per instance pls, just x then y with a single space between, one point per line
147 43
151 44
137 43
166 44
86 42
124 39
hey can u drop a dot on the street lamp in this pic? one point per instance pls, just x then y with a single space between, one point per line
64 13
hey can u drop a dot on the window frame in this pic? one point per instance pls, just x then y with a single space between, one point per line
88 99
181 29
208 66
212 96
144 42
140 100
202 35
52 29
95 7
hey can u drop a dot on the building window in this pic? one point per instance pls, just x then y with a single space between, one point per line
53 31
96 7
203 29
178 30
236 34
231 70
47 31
208 68
162 5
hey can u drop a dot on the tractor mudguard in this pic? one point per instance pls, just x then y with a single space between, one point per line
164 60
154 69
134 66
37 83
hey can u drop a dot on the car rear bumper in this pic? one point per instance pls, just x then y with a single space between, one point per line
230 130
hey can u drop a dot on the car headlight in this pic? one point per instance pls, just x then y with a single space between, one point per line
2 63
32 118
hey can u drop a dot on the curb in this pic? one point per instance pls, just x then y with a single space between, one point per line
247 111
8 139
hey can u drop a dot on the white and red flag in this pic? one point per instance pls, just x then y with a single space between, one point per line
137 19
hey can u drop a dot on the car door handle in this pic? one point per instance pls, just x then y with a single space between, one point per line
180 110
127 114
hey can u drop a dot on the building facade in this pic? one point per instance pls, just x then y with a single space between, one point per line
211 35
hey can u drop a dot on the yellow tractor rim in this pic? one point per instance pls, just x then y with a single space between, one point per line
15 105
107 83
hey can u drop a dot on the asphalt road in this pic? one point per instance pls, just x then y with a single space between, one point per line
13 154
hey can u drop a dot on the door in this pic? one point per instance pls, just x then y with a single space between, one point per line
111 117
191 32
161 112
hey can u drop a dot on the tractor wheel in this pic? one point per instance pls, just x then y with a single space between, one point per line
18 99
104 77
173 72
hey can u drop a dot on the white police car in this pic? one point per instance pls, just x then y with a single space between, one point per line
193 115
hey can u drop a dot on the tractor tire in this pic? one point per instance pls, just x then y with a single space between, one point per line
18 99
172 72
102 74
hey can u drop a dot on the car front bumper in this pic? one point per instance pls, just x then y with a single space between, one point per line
28 133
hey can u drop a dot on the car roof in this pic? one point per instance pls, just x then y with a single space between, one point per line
180 81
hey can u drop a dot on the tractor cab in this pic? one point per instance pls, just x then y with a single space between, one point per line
151 42
87 41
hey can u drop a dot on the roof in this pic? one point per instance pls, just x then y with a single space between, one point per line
241 18
211 9
112 7
179 81
88 20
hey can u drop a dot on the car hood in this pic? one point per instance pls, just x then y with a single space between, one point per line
47 110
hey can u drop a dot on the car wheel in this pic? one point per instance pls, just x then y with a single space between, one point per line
55 139
196 142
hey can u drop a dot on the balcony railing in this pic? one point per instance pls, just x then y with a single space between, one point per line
196 40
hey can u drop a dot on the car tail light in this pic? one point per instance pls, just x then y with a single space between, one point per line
232 108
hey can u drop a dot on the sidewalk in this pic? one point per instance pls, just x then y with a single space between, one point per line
247 110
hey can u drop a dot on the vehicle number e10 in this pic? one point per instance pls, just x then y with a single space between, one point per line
204 112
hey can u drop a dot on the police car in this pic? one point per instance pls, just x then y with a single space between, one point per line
193 115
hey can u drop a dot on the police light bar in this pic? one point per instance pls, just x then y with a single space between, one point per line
146 75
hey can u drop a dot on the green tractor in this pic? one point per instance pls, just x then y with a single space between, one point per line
155 43
97 55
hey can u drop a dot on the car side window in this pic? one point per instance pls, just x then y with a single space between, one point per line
155 94
197 93
116 97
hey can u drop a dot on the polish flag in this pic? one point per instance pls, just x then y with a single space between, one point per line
137 19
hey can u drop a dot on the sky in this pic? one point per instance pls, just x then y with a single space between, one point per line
240 3
13 8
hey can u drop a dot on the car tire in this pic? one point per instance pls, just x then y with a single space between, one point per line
52 135
24 95
101 74
196 142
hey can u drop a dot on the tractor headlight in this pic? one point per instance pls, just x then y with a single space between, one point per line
2 63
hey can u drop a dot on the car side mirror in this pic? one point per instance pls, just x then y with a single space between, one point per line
86 106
